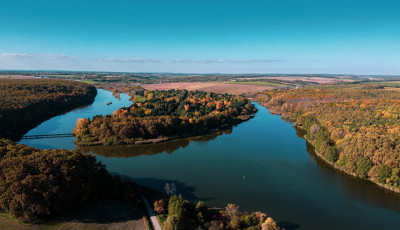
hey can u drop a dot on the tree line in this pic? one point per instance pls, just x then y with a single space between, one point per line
36 184
355 127
164 115
28 102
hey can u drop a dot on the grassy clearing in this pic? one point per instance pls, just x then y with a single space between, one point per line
88 81
139 98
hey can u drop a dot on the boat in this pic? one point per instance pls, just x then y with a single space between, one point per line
109 103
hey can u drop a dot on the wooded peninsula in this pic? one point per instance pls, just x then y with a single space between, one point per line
164 115
26 103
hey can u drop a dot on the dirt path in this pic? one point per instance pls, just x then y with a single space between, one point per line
152 215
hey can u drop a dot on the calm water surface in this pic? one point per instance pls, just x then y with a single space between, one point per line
283 178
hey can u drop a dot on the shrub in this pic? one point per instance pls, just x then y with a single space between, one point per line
160 206
270 224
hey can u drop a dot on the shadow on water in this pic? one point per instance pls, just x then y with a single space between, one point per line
187 192
288 225
169 147
356 188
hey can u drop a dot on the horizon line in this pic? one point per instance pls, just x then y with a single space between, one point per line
211 73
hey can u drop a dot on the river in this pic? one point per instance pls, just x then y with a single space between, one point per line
262 164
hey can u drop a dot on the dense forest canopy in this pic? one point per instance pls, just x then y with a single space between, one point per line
164 114
356 127
37 183
26 103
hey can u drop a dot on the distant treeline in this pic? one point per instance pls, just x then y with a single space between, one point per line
164 115
36 184
357 128
26 103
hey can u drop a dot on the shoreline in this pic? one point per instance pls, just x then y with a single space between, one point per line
165 139
35 114
384 187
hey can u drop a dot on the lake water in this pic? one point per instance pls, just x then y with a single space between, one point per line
282 176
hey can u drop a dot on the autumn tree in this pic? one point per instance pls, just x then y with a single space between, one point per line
384 172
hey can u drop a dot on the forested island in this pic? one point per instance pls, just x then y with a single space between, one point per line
25 103
164 115
353 127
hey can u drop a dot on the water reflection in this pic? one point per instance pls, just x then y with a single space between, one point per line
282 179
357 189
169 147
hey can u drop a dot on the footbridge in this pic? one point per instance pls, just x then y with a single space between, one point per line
58 135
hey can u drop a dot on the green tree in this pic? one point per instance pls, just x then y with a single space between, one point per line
183 210
363 164
384 172
173 223
331 154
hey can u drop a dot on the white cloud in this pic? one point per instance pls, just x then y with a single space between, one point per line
180 61
223 61
49 56
255 61
210 61
56 56
15 55
128 60
203 61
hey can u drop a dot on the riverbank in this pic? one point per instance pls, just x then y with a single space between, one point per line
177 137
342 169
26 103
283 116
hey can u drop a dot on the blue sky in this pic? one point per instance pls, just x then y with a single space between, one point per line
224 36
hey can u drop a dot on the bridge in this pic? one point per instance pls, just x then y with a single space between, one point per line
47 136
